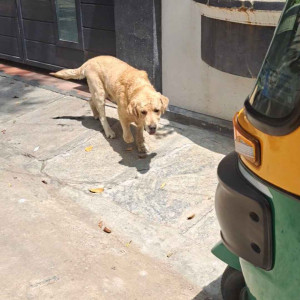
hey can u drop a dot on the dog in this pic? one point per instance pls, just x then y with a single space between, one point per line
137 100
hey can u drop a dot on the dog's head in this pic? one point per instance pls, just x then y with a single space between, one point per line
147 107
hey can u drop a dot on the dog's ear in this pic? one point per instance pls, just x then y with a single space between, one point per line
132 108
164 102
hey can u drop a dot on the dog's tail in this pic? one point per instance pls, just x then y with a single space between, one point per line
70 73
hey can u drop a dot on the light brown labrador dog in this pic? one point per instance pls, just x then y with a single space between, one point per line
138 102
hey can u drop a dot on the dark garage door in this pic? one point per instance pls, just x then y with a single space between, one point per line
56 33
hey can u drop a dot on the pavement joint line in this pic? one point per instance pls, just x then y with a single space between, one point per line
67 184
183 246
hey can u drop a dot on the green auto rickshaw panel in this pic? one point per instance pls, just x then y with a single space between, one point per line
283 281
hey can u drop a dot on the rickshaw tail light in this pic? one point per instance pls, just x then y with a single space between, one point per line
245 144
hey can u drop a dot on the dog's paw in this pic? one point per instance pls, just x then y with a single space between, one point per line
128 138
142 148
110 134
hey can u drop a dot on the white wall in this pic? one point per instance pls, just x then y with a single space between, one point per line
187 80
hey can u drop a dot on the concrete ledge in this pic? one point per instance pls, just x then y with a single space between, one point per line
188 117
255 5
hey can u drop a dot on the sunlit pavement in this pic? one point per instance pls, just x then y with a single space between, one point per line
52 244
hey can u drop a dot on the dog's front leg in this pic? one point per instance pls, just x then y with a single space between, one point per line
140 139
125 123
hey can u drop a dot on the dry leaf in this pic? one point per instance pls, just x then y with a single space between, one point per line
3 131
191 217
128 244
107 230
97 190
88 149
163 185
169 254
100 224
129 149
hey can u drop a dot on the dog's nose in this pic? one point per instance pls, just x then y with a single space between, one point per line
152 129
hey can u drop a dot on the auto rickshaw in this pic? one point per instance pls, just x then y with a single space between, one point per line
257 200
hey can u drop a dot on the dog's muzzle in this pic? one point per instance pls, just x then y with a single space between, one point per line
152 129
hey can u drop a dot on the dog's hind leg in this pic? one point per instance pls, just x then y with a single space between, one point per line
94 110
98 102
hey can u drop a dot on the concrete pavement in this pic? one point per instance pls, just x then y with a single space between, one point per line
52 244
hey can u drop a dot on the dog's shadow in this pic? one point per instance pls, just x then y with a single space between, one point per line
130 157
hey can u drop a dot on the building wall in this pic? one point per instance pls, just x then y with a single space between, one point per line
30 32
187 80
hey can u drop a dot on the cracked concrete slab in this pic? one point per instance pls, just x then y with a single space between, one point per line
145 201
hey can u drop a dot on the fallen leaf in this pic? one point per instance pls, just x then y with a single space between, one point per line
191 217
163 185
169 254
100 224
3 131
88 149
128 244
107 230
36 148
44 181
97 190
129 149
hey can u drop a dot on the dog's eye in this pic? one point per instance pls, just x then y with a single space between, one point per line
144 112
156 110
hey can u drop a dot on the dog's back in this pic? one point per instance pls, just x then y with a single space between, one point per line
100 64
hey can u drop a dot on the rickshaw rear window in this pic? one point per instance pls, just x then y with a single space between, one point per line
277 90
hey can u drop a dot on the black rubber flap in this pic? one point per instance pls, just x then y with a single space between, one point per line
244 214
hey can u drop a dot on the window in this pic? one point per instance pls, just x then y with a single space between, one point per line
67 21
277 91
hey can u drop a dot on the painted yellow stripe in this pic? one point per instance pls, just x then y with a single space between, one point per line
280 157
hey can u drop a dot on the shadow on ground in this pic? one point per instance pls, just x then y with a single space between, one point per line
13 96
218 142
207 138
129 158
207 294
